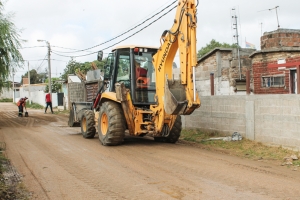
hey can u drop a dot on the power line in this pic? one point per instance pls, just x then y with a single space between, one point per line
76 50
42 61
30 47
127 30
35 60
120 40
45 59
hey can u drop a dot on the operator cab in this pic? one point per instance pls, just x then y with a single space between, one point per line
133 66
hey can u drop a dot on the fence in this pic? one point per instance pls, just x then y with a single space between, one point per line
272 119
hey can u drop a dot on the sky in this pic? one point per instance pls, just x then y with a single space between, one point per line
82 24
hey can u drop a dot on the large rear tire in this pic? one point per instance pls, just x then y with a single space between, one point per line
87 124
174 133
111 124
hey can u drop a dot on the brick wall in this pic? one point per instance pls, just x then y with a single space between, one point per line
280 38
260 68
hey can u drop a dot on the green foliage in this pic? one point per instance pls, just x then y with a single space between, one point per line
213 44
73 66
55 85
35 77
6 100
34 105
10 57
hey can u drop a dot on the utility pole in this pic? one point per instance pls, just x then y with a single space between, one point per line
234 17
49 67
29 84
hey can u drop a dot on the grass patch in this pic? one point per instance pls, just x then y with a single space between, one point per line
243 148
6 100
62 112
296 163
34 105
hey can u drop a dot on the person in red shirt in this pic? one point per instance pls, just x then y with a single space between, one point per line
48 103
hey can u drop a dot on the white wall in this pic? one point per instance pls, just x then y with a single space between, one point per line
37 97
6 93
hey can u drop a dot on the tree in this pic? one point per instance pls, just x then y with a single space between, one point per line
35 77
73 66
10 57
213 44
55 85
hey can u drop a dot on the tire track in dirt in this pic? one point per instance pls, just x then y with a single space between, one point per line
77 169
11 119
30 122
68 166
101 175
211 170
36 179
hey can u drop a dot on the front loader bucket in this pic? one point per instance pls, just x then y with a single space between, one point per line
175 97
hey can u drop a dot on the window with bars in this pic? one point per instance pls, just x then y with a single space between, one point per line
272 81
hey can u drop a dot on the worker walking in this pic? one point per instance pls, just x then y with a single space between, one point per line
21 104
48 102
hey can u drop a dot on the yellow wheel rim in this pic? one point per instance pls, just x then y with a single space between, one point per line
104 124
84 124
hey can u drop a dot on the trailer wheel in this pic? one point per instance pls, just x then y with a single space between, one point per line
71 122
111 124
174 133
87 124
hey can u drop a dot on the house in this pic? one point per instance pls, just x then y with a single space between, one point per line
277 47
229 74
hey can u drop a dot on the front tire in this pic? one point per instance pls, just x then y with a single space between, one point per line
111 124
87 124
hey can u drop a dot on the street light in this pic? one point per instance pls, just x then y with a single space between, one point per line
49 67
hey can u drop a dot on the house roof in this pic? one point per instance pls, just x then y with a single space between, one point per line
213 51
282 49
73 79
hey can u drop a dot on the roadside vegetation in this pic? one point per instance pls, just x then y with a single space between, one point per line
242 148
6 100
34 106
11 187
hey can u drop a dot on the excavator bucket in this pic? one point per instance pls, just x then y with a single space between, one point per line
175 97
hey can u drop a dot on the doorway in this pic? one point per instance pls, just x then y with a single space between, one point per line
293 81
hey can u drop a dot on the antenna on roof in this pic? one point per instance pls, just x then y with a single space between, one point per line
276 13
236 36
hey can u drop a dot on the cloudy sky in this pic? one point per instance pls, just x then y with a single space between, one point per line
82 24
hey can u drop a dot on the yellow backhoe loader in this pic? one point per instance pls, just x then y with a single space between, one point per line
138 94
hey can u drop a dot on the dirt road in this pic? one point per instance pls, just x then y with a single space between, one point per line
56 162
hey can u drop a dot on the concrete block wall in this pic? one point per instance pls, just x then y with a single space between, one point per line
270 119
76 93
